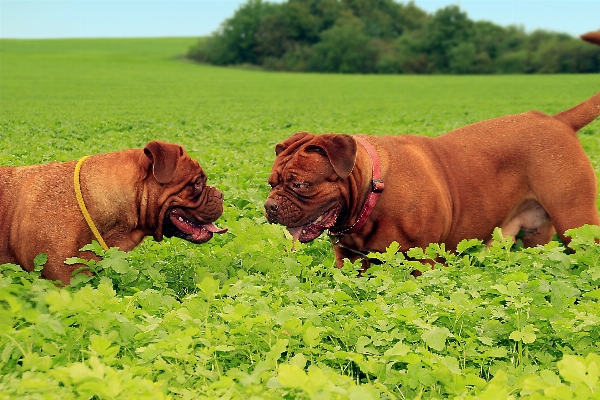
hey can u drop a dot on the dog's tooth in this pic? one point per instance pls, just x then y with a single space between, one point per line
181 219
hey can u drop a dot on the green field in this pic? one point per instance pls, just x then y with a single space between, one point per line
245 316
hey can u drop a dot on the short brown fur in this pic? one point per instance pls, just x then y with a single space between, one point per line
39 212
524 173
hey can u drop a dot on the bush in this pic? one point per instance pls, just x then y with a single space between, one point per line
344 48
382 36
461 57
513 62
236 41
566 56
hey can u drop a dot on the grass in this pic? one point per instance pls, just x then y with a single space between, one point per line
72 97
139 80
243 315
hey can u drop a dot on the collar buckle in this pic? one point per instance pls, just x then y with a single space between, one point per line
377 186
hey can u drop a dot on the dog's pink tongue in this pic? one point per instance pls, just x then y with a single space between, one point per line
214 229
199 232
295 232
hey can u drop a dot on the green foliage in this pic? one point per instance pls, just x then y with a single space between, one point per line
245 315
384 36
238 37
345 48
305 329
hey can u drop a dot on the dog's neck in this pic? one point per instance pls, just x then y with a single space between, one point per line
360 187
113 194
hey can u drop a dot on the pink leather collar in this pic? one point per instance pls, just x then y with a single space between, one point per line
377 187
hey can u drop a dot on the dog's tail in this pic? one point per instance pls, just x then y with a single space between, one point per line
582 114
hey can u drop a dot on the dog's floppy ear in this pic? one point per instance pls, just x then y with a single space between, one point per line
339 148
164 158
296 138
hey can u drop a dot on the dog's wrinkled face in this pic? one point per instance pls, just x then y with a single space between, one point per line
193 210
186 205
306 195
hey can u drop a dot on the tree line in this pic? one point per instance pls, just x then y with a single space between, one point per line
383 36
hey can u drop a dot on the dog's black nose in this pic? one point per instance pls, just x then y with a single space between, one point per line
271 206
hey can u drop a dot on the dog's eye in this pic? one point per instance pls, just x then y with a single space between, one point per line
301 185
198 186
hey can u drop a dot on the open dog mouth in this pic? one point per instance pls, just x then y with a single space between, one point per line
184 228
312 230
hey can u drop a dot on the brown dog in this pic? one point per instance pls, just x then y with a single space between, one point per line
523 173
158 191
592 37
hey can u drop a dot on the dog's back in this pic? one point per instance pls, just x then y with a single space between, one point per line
521 166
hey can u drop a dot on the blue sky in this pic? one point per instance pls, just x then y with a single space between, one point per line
142 18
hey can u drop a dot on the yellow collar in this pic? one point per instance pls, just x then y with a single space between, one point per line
82 207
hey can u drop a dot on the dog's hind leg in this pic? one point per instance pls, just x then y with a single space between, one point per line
572 204
575 218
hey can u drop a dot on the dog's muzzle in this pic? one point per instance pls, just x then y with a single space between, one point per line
194 222
280 210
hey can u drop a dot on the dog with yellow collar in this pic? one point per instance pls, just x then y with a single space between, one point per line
116 198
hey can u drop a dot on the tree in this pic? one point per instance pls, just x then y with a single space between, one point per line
385 36
236 42
344 48
448 29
